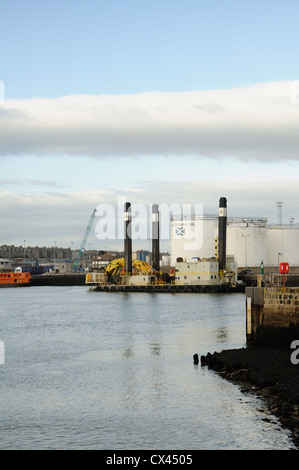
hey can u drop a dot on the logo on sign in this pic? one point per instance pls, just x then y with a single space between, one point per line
284 268
180 231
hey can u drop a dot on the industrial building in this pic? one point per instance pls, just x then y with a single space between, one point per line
250 240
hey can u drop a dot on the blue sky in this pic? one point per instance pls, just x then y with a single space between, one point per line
58 48
100 99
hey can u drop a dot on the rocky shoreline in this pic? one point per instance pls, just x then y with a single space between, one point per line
267 373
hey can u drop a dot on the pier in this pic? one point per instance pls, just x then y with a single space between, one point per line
272 316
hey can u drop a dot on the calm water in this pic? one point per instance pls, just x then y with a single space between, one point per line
91 370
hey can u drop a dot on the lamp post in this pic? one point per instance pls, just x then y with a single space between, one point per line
245 236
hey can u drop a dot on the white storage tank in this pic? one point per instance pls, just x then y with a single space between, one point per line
283 244
166 260
193 237
247 241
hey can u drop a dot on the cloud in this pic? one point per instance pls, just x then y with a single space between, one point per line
41 218
257 122
45 183
6 182
32 183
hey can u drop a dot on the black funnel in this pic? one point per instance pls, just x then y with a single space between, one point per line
222 232
155 238
128 238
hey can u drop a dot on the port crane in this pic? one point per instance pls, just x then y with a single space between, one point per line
84 241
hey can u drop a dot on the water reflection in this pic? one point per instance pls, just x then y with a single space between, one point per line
222 334
122 375
128 353
155 348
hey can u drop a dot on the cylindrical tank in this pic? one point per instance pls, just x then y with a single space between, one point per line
165 260
250 240
193 237
283 245
247 242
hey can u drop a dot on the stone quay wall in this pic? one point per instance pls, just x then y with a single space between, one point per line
272 315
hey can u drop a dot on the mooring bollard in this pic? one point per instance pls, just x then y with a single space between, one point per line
195 359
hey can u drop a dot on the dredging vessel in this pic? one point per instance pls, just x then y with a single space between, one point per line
217 274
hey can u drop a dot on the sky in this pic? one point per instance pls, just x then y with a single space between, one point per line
166 102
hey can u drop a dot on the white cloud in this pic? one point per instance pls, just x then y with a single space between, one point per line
41 218
258 122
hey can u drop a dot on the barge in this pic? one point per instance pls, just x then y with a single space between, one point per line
168 288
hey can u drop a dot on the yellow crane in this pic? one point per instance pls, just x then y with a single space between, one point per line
117 267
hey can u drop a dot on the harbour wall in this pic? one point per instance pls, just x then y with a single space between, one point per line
272 316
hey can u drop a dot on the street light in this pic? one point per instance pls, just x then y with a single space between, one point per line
245 236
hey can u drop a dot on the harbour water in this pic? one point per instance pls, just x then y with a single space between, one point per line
92 370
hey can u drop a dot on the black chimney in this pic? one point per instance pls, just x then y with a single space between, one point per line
155 238
222 232
128 239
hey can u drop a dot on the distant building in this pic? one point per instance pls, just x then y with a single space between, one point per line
64 267
103 260
37 253
5 265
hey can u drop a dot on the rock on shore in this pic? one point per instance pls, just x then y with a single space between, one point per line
266 372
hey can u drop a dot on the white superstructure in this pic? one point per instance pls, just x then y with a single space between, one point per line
197 273
204 272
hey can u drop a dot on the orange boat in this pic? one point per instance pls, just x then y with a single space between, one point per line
15 279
